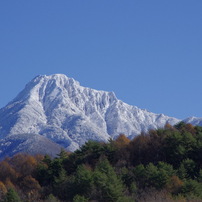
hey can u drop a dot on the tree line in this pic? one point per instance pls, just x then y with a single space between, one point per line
163 164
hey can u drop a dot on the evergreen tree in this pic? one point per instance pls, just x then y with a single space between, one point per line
107 182
83 181
12 196
188 169
79 198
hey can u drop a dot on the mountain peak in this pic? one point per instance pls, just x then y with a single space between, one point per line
60 78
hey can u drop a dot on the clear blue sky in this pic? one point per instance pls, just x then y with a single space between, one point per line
149 52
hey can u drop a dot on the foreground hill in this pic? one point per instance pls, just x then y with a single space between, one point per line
161 165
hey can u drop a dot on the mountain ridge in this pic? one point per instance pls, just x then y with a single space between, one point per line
60 109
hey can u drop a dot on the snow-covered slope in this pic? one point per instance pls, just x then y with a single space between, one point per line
58 108
194 121
29 144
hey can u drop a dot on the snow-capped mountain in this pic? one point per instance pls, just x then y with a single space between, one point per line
58 108
194 121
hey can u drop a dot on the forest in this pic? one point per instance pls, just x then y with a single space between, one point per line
160 165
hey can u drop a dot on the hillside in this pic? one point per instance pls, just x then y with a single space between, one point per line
161 165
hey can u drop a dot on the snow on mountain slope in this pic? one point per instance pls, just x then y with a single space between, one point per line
29 144
58 108
194 121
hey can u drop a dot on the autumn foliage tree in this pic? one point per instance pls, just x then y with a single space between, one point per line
163 164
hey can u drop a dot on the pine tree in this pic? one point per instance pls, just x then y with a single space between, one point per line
12 196
107 182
